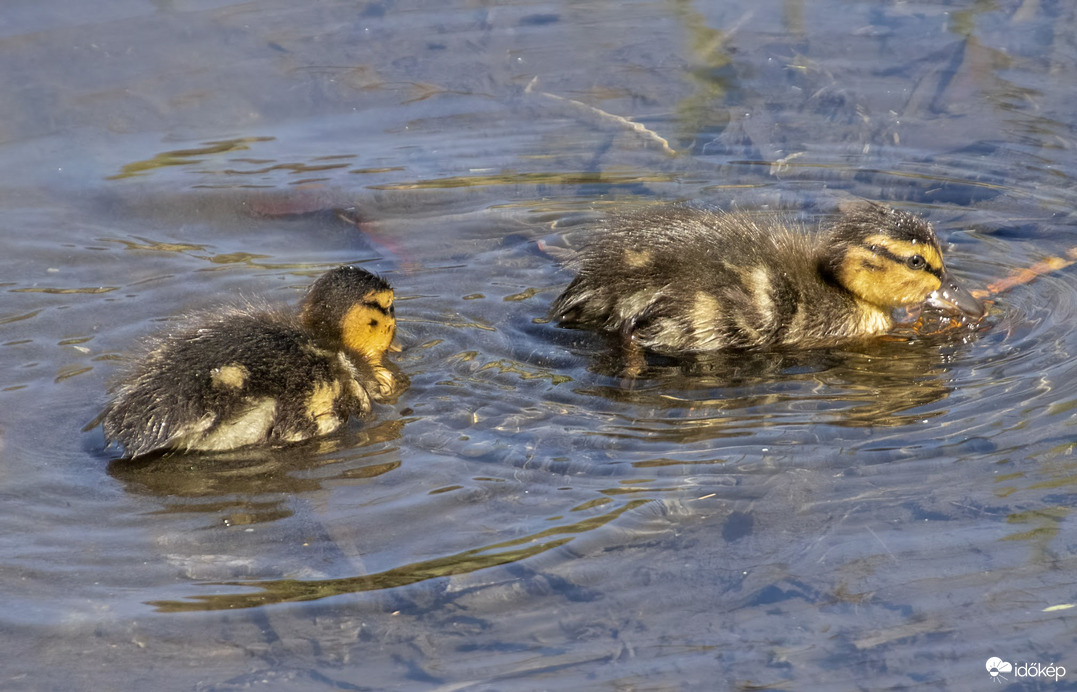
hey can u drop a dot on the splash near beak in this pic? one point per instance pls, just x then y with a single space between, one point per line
952 298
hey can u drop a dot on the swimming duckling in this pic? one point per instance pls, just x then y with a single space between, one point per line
252 376
680 279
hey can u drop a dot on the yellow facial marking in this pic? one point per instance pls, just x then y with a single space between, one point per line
383 299
369 327
637 259
233 375
881 281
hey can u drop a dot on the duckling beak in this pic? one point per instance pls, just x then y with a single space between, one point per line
954 299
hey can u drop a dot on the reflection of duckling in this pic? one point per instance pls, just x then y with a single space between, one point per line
260 376
680 280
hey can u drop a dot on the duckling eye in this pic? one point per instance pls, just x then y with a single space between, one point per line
916 262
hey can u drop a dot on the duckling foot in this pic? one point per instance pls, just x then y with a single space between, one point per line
908 315
634 363
632 355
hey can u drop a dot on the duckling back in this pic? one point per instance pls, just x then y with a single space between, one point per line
684 279
243 379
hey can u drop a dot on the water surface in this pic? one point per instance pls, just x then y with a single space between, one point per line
876 517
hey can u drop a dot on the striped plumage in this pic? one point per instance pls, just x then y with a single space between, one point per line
682 279
259 376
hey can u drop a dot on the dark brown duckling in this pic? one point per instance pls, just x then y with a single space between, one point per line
680 279
259 376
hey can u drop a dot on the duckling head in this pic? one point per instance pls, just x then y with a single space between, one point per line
351 308
892 259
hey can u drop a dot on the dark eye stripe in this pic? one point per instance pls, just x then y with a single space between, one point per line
880 250
379 308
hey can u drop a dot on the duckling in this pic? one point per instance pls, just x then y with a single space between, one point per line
681 279
261 376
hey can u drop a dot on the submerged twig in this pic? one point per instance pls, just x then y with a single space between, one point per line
598 115
1028 274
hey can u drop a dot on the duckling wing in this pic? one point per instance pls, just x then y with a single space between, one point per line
244 379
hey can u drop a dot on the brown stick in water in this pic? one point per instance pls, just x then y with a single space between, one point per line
1024 276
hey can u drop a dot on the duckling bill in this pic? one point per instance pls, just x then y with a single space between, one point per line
259 376
681 279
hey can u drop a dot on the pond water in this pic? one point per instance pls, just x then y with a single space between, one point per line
877 517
